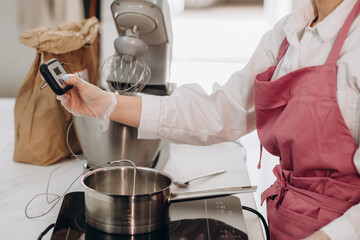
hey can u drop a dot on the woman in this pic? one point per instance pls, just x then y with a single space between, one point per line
301 91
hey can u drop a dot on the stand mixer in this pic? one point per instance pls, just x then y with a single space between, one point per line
141 65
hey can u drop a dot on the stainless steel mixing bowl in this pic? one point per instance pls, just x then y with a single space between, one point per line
117 142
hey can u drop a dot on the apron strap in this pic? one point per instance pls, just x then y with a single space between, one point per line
321 200
261 150
282 50
282 185
339 42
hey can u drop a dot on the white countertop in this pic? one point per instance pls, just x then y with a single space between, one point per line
19 182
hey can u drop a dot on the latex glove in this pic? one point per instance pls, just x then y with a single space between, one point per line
85 99
319 235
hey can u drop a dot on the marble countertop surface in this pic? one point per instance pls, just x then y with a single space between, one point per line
20 182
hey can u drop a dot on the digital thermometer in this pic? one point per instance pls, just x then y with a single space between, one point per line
52 71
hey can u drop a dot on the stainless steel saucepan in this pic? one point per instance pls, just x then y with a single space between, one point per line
113 206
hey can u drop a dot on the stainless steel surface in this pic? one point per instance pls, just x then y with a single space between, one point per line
124 161
111 206
118 142
43 85
130 46
218 192
186 183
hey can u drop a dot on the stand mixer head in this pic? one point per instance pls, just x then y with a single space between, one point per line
144 37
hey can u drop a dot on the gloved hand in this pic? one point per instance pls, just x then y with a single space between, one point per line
85 99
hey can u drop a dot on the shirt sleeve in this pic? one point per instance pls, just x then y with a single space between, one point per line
191 116
345 227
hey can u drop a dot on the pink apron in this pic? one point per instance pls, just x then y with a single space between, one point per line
299 120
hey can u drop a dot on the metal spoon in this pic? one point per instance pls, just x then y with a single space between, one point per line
186 183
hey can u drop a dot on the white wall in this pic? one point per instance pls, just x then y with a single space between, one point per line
296 4
15 58
276 9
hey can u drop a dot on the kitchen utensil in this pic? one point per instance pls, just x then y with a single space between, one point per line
126 72
125 76
111 206
52 71
141 64
118 142
186 183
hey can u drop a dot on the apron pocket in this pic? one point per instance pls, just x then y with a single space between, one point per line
293 202
286 224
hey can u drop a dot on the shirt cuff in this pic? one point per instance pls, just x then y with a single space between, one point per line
150 117
340 228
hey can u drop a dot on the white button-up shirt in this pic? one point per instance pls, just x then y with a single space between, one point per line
192 116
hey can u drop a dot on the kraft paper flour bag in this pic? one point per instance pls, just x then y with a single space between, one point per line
41 122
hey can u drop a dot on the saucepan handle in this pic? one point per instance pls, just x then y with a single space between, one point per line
213 193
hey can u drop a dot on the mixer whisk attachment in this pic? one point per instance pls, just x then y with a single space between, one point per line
125 74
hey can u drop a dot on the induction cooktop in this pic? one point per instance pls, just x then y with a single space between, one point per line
210 219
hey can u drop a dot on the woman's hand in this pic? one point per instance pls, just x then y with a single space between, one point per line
85 99
319 235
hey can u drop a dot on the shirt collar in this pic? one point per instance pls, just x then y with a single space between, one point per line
327 28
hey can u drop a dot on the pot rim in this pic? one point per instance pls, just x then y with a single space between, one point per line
110 168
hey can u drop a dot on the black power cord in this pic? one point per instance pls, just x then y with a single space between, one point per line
267 232
46 231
